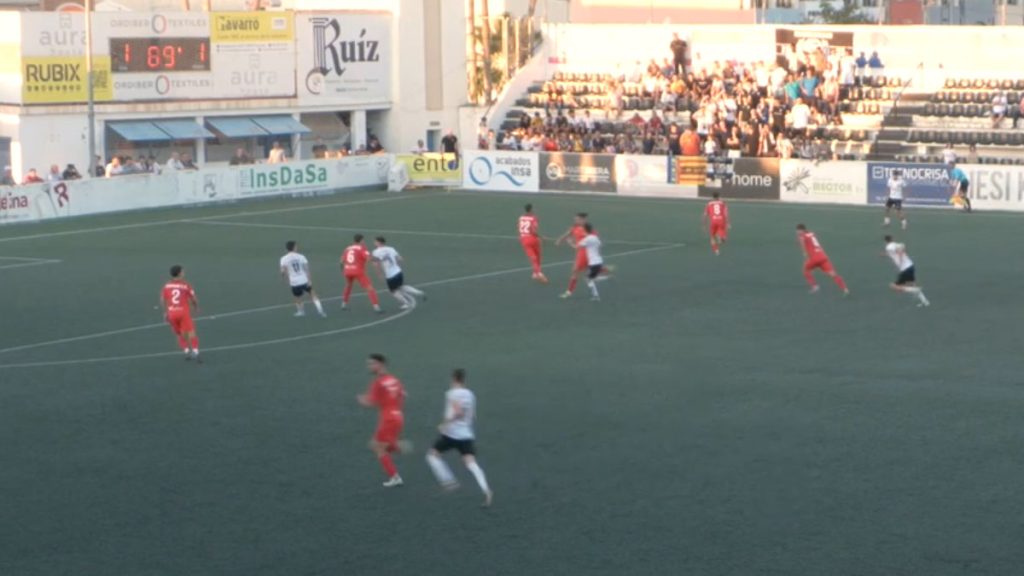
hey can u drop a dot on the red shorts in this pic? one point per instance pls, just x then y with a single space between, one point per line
359 277
181 322
581 261
719 229
389 430
821 263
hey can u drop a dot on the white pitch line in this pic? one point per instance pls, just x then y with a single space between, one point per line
27 264
229 215
26 259
265 309
399 232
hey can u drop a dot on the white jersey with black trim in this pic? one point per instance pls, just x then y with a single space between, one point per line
592 244
898 254
896 188
388 258
297 267
459 401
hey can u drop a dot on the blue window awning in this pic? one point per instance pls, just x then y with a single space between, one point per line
183 129
236 127
281 125
139 131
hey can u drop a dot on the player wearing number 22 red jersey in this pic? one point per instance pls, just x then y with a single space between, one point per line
816 258
178 299
716 218
387 395
529 237
353 268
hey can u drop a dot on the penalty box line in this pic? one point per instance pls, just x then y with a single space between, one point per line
274 307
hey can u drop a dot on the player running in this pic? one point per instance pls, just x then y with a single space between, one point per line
959 182
457 434
387 260
816 258
529 237
178 299
591 245
575 234
353 267
716 221
387 394
906 282
295 268
895 199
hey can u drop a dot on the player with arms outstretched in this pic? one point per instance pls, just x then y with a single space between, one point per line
457 434
716 220
178 299
816 258
387 395
529 237
906 281
295 269
353 268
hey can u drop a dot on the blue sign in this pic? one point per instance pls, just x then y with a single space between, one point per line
926 184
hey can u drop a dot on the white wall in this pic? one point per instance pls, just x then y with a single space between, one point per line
46 140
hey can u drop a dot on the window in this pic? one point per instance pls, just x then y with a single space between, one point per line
783 3
870 3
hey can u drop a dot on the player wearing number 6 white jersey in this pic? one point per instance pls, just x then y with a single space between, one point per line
295 268
457 434
388 261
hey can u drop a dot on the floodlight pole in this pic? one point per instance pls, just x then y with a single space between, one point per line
90 89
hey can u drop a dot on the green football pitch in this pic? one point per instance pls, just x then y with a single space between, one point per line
708 416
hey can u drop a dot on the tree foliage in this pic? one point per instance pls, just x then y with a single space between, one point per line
846 13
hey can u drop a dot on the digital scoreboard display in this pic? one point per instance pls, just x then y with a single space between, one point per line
159 54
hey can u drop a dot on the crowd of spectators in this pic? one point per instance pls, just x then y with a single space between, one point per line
734 108
32 176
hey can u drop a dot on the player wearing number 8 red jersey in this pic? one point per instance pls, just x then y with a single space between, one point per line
716 219
387 394
353 267
816 258
529 237
178 299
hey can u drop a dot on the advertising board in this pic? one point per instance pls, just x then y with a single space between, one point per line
501 170
925 184
432 169
569 172
822 182
343 58
648 176
748 178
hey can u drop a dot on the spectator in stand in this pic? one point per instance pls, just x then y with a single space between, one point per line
734 142
792 88
420 149
689 143
276 155
71 173
809 85
450 144
153 166
55 174
999 107
8 179
32 177
800 118
588 122
949 155
374 146
242 157
784 147
99 169
174 163
187 163
1018 111
114 168
678 48
972 153
876 66
862 63
674 140
847 72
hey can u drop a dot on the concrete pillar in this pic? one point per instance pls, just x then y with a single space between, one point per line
358 129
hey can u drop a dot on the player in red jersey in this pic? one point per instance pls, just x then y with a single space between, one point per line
815 257
577 233
529 237
177 300
387 394
716 220
353 267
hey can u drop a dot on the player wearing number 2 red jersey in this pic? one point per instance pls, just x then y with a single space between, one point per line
387 394
716 219
178 299
816 258
353 267
529 237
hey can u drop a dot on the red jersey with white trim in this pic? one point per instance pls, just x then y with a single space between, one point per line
812 247
528 226
388 395
177 296
717 212
354 258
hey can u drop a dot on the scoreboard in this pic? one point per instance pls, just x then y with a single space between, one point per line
159 54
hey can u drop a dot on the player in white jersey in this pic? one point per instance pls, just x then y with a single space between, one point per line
906 281
595 263
295 269
388 262
457 434
895 200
